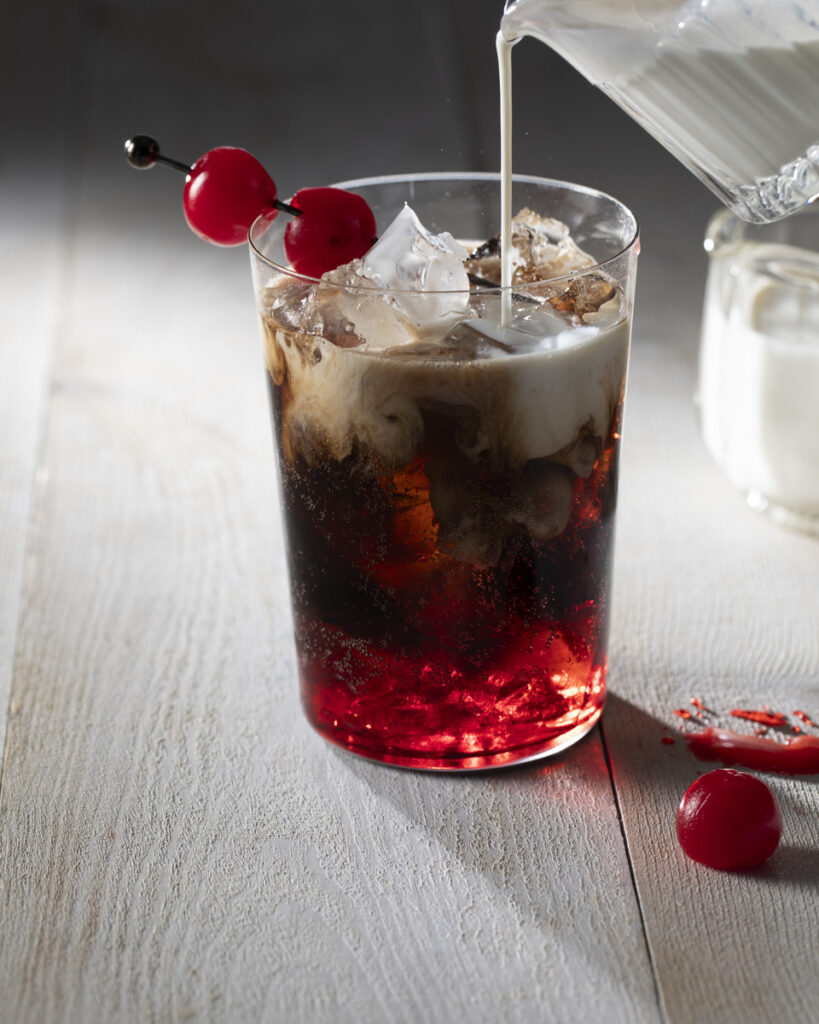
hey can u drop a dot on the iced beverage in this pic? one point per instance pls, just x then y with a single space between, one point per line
448 469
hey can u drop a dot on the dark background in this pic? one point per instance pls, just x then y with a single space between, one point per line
322 91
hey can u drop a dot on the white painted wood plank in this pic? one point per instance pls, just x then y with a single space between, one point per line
29 293
716 603
34 248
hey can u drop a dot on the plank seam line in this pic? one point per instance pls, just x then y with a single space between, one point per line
621 823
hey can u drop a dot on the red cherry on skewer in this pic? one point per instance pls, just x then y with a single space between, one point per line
335 228
225 192
227 188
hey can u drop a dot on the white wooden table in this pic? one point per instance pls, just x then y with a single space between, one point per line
176 844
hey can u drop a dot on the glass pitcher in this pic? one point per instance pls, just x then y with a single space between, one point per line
730 87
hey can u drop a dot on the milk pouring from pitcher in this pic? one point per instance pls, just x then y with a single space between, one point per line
730 87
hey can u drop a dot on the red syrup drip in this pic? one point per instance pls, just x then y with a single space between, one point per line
667 740
697 703
805 719
796 757
682 713
762 717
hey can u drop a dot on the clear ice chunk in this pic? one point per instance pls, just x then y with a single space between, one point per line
416 263
410 285
584 295
542 248
533 328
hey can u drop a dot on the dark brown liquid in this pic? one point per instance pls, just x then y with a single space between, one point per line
433 630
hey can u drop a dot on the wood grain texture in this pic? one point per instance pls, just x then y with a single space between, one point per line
715 602
35 248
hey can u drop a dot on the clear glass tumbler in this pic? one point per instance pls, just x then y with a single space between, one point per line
759 362
449 503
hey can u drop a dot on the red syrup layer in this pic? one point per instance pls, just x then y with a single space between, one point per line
796 757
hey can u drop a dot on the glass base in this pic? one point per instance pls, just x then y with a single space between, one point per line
550 747
803 522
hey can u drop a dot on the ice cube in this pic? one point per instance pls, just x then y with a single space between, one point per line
345 308
546 248
584 295
424 271
532 328
285 303
542 248
411 284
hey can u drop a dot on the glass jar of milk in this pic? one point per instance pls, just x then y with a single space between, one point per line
759 362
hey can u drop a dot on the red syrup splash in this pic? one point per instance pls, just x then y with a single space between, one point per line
682 713
805 719
773 718
796 757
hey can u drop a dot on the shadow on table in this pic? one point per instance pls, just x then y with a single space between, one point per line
797 865
629 747
482 816
528 860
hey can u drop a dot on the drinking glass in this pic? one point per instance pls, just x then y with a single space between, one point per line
759 362
449 503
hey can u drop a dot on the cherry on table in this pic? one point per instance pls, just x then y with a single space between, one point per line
729 820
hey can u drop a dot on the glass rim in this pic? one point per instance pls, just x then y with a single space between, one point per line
442 176
725 229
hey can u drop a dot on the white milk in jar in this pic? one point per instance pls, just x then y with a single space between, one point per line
759 372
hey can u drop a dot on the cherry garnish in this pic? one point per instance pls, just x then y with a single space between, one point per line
336 227
227 189
225 192
729 820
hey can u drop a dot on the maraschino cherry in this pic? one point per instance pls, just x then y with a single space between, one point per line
729 820
225 192
334 228
227 189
